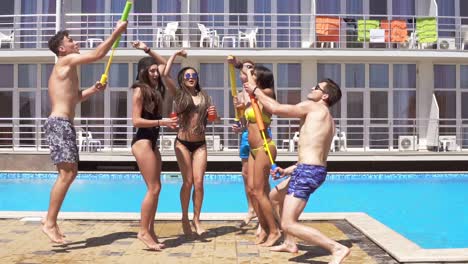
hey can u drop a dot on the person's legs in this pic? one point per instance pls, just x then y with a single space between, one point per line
261 176
251 212
66 174
292 209
261 234
155 208
199 168
149 165
277 196
184 160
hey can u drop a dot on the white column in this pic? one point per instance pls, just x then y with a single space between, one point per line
424 91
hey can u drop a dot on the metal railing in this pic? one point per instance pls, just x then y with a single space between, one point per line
114 135
271 31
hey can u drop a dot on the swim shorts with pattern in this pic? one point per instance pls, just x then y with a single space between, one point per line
305 179
61 136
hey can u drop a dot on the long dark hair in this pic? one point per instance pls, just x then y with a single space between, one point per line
185 105
265 78
152 96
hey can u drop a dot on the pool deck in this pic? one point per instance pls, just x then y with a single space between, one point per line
111 238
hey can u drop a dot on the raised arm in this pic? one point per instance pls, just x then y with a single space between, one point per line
166 75
142 46
98 53
272 106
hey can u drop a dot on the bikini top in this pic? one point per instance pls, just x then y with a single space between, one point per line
250 116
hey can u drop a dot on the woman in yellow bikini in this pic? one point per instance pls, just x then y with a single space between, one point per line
259 162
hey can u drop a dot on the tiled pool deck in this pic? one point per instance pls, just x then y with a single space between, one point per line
115 242
100 238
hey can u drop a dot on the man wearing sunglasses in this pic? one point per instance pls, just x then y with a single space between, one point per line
317 129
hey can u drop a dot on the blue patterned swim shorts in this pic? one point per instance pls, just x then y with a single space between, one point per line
61 136
305 179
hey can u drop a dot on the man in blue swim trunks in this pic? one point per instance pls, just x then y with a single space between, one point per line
316 134
65 94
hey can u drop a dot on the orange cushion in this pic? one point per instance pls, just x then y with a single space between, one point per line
327 28
397 28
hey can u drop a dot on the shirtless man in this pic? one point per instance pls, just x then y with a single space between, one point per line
316 129
64 95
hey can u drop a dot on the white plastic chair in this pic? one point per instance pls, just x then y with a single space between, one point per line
165 37
7 38
292 142
464 31
249 36
339 140
86 141
208 34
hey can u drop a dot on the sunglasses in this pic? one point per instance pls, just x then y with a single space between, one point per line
191 76
317 87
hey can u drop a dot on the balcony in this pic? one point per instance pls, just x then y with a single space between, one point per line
353 135
241 31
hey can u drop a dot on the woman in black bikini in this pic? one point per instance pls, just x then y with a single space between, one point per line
148 94
192 106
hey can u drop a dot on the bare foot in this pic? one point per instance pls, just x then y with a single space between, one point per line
146 238
259 230
271 240
43 220
53 234
285 247
198 228
186 227
261 237
249 217
338 254
155 238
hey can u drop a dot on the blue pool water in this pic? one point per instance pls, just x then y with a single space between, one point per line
429 209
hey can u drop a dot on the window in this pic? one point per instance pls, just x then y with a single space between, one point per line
331 71
446 8
378 7
445 92
288 91
403 7
118 75
263 22
328 7
404 76
46 70
378 74
7 8
210 8
237 7
355 75
27 75
6 76
289 24
90 24
354 7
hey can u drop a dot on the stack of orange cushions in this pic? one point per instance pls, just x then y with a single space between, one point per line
327 29
398 29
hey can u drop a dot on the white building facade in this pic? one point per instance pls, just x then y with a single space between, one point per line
388 80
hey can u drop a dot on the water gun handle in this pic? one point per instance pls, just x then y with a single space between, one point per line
258 114
273 167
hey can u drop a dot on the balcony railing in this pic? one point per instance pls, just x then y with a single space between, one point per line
266 31
114 135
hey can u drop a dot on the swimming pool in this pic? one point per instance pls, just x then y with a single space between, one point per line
429 209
